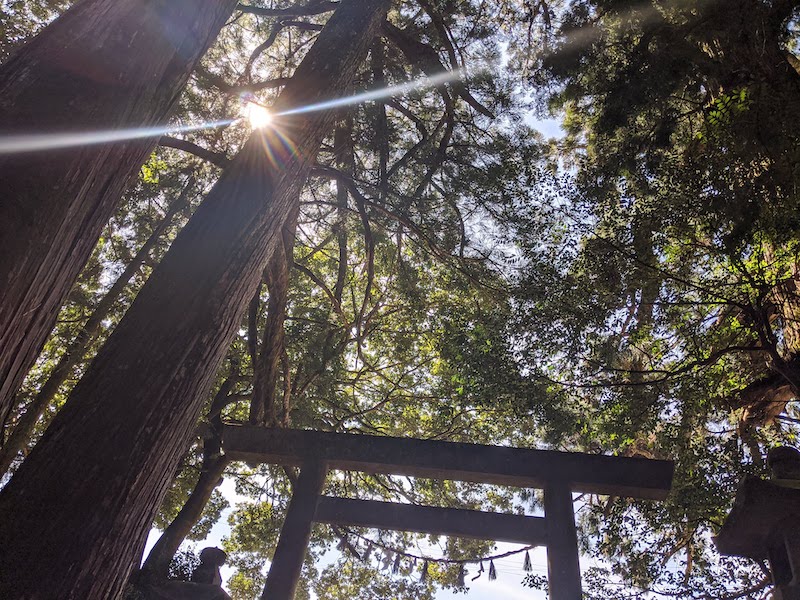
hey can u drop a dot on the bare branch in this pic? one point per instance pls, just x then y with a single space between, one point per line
215 158
219 82
427 59
273 36
316 7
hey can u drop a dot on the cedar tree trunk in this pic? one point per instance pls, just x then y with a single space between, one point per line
75 514
157 564
25 425
265 381
105 64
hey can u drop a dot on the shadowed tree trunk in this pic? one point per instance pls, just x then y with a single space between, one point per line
378 62
75 514
266 369
105 64
345 161
75 352
214 463
157 564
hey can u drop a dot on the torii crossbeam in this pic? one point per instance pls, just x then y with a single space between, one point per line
557 473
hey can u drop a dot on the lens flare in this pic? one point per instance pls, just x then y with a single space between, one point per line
387 92
258 115
18 144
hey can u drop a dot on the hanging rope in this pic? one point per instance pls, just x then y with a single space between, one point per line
396 565
398 555
443 560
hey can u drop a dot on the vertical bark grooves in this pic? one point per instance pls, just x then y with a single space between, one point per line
381 122
286 396
104 64
24 427
214 464
344 162
267 368
252 326
78 509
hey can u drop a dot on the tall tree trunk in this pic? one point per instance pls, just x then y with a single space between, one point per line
75 352
105 64
75 513
381 121
214 464
345 162
267 368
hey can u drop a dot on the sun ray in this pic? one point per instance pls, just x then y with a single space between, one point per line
386 92
19 144
258 116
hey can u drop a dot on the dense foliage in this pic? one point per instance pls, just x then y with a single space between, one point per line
668 278
630 288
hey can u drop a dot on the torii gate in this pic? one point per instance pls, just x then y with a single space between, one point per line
557 473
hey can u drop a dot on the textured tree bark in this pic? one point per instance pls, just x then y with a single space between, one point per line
267 368
156 566
105 64
78 509
345 162
75 352
378 56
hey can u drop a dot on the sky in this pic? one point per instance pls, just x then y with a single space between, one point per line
508 584
549 128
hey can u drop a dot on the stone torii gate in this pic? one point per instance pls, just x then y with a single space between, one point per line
557 473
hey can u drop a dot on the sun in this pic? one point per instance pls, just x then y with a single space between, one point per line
258 115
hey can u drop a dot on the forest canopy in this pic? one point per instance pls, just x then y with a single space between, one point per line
428 263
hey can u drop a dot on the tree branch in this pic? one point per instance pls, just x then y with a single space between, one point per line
215 158
317 7
219 82
427 59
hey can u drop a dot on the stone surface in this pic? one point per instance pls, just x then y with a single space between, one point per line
762 509
765 522
183 590
211 559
